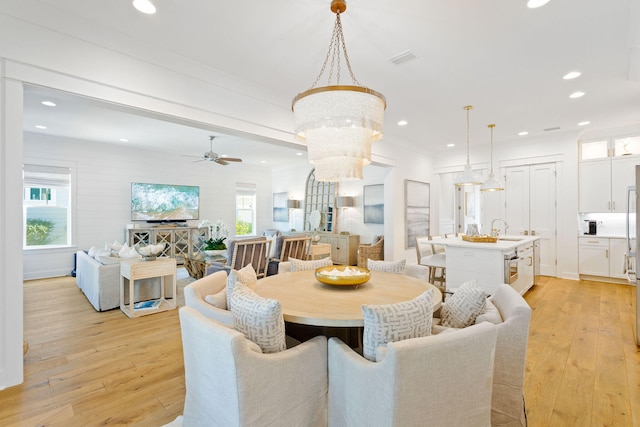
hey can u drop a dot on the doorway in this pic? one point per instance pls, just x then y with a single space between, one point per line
530 208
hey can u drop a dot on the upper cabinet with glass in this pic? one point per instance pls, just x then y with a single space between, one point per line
610 147
319 205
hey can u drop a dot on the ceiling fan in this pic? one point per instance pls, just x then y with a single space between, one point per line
210 156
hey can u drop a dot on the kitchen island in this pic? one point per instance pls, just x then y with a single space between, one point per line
511 260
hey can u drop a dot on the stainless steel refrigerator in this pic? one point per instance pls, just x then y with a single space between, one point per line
631 250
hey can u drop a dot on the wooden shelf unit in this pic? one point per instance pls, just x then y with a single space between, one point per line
135 269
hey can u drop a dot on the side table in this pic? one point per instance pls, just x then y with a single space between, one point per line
132 270
320 250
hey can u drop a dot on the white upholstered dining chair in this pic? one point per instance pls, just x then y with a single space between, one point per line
440 380
196 293
230 383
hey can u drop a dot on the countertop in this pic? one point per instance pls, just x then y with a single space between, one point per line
504 243
604 236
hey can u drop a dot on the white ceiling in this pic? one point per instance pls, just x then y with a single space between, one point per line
497 55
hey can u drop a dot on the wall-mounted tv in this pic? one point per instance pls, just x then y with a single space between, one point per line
163 202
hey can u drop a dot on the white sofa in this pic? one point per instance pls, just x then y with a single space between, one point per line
101 283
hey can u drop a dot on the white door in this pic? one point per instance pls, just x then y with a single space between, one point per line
530 208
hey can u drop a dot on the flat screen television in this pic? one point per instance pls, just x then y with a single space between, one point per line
164 202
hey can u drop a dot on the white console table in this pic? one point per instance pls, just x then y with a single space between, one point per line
132 270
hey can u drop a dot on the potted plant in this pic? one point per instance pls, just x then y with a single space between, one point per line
215 245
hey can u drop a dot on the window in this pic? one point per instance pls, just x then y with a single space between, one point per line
245 209
46 206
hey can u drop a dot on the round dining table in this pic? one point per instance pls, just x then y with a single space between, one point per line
306 301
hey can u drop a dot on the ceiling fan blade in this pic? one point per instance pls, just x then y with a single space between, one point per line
232 159
221 161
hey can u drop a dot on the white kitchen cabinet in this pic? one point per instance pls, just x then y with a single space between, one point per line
603 183
601 256
525 268
593 256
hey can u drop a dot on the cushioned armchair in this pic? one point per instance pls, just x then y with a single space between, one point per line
507 407
229 382
374 251
243 252
288 247
441 380
196 292
511 314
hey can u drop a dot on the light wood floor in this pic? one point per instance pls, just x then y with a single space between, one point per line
85 368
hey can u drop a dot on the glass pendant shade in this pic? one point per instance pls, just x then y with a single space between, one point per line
338 122
492 183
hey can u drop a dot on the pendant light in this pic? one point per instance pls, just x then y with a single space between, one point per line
468 176
492 183
338 122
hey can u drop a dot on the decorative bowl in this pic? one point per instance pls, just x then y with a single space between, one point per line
215 252
335 275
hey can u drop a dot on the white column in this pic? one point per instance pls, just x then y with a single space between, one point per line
11 298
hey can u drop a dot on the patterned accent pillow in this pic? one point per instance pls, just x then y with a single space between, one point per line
395 322
300 265
258 318
246 275
396 267
462 308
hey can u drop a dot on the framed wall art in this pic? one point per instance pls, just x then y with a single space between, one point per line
280 211
416 211
373 201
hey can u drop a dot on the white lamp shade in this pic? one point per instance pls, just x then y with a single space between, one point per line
293 204
492 184
468 177
344 202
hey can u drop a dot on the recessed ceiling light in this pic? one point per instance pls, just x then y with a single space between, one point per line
523 133
577 94
584 123
451 145
402 123
124 140
532 4
298 154
263 161
144 6
572 75
224 155
49 103
40 127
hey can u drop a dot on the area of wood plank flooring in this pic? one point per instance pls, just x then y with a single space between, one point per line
85 368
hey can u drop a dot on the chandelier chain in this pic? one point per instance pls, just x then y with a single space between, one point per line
491 127
337 42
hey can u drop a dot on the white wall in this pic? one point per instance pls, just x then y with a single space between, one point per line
102 192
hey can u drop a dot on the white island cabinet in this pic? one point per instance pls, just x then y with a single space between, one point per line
486 262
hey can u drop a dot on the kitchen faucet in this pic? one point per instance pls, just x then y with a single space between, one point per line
494 232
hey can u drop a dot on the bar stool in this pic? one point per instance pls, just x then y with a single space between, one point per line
435 262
